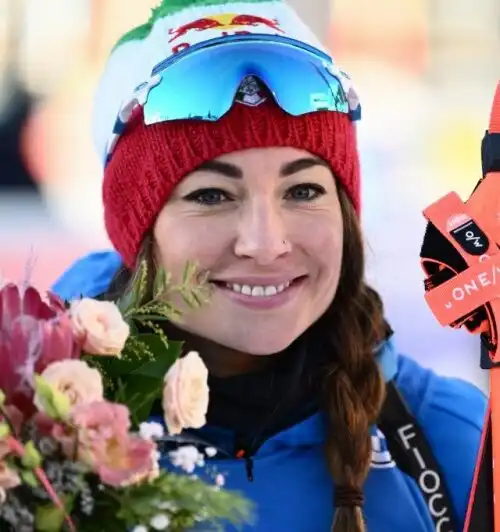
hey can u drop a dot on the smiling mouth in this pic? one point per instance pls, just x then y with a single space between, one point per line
266 290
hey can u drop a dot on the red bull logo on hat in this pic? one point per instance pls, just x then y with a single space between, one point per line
225 24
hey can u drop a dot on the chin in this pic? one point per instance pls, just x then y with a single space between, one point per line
260 347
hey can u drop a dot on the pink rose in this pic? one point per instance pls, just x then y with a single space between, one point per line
101 420
130 462
100 326
118 457
185 394
76 380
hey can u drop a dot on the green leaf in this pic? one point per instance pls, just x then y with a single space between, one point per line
160 283
127 302
133 298
32 458
189 272
186 274
140 384
4 430
140 394
140 287
157 368
150 317
45 394
134 331
190 299
55 403
138 377
158 348
29 478
50 518
115 367
190 497
119 395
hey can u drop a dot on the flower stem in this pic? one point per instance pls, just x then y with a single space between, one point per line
18 449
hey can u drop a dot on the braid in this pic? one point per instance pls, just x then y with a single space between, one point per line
353 387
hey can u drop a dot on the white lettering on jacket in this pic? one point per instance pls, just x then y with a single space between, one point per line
428 480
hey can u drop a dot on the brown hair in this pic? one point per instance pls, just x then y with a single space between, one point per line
353 389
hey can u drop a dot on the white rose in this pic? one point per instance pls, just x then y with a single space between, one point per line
100 326
185 394
80 383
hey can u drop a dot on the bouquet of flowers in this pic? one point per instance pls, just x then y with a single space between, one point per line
78 381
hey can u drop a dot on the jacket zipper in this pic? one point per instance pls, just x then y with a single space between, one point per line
242 454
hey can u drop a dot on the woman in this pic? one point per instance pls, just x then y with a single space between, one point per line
262 191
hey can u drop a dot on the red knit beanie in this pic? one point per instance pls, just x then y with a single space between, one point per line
149 161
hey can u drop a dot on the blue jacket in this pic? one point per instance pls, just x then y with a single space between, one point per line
292 488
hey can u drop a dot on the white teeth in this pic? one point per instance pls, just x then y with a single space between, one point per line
246 290
270 291
258 291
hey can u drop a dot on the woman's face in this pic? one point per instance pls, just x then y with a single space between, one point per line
265 225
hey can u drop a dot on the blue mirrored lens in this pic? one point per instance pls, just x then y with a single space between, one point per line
202 82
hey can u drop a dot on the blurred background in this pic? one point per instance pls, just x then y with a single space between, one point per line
426 71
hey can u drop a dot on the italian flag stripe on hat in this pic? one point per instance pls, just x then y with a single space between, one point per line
174 26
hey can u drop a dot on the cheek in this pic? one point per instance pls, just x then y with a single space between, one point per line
179 241
322 241
321 234
328 254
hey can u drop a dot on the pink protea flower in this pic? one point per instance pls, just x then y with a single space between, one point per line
34 332
105 444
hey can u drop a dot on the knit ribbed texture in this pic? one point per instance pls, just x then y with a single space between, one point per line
149 161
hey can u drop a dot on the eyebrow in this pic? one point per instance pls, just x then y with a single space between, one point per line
235 172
